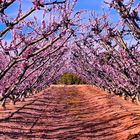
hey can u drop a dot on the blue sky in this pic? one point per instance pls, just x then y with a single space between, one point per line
90 5
98 6
94 4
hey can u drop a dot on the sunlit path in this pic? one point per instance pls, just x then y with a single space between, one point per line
71 113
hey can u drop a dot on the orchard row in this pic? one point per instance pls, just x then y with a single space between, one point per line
49 38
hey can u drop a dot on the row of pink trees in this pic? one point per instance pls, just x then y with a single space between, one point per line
108 55
42 48
35 54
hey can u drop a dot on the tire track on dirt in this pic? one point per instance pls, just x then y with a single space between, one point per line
72 113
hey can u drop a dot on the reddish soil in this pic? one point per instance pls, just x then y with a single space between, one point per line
71 113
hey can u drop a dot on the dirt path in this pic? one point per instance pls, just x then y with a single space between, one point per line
71 113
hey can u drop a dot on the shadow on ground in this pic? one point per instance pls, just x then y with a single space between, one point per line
69 113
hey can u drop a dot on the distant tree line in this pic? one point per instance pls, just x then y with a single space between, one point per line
70 79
